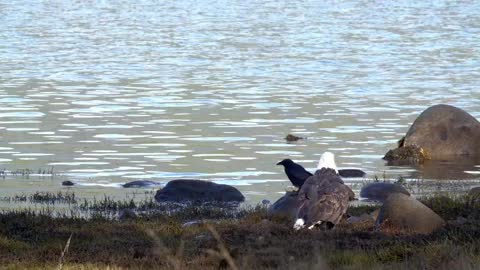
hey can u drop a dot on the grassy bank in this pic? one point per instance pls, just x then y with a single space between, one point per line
243 239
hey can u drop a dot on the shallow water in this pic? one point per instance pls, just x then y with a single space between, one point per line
107 92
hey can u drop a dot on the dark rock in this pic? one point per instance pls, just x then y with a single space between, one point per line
68 183
140 184
474 192
351 173
187 190
459 221
198 222
126 214
287 205
381 190
292 138
439 132
266 202
402 213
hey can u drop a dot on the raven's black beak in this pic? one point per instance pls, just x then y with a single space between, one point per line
280 163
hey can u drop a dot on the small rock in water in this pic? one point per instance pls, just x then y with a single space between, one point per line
292 138
140 184
351 173
67 183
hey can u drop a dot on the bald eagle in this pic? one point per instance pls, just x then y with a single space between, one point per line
323 197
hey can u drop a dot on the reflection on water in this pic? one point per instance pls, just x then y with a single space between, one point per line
448 169
111 91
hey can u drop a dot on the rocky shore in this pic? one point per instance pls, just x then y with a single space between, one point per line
200 237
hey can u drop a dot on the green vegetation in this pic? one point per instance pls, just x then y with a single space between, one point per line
156 238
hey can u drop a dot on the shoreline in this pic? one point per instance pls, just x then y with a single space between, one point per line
165 240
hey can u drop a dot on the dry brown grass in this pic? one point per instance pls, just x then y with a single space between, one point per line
34 241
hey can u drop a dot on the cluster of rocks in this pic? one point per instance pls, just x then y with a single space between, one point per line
440 132
399 213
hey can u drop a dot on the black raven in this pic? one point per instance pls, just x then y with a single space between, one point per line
295 172
323 197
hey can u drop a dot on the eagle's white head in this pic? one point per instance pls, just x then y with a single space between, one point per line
327 160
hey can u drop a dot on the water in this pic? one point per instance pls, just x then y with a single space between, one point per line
107 92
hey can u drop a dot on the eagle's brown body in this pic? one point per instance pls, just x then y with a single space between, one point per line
324 198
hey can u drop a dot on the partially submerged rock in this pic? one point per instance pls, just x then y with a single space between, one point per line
381 190
188 190
292 138
402 213
127 214
351 173
439 132
406 155
140 184
287 205
68 183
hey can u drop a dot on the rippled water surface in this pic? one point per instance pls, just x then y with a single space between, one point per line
107 92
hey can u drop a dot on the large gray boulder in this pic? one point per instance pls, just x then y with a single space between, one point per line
381 190
439 132
287 205
188 190
402 213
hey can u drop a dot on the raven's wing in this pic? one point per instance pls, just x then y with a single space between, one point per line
298 173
